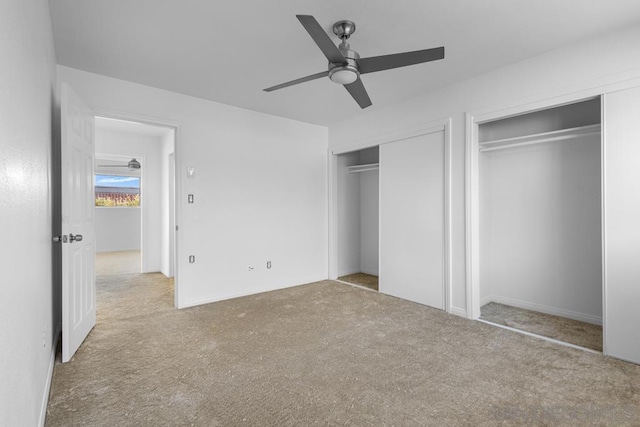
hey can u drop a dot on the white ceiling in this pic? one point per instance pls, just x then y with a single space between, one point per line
228 51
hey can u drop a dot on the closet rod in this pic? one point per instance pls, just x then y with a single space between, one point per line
561 135
362 168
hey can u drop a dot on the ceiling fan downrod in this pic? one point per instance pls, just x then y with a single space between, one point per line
348 73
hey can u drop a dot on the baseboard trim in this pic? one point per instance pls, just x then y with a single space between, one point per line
47 385
369 272
353 272
458 312
204 301
486 300
587 318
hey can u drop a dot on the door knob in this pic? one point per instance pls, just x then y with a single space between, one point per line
75 238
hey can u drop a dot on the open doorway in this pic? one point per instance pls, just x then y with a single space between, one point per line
134 208
118 215
358 217
540 216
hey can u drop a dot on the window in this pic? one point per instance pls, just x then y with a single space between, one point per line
117 190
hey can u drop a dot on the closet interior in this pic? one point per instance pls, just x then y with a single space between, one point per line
358 217
540 223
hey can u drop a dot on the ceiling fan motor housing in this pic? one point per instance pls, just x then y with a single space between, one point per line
345 73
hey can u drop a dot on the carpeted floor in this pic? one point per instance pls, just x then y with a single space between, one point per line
361 279
121 262
547 325
324 353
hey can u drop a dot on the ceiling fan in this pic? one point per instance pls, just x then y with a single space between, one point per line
132 165
346 66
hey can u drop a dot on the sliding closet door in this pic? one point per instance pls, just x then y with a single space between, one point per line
622 219
412 219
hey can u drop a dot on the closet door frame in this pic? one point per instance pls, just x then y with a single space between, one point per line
443 125
472 188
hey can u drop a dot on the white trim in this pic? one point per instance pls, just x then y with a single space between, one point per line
194 303
332 166
519 331
472 248
144 211
546 309
486 300
47 386
448 220
603 169
456 311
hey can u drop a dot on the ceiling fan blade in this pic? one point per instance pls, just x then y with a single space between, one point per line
113 166
359 93
296 81
387 62
322 39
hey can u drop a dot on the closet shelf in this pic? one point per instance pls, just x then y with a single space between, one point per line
363 168
538 138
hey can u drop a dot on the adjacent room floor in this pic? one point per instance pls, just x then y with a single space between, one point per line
560 328
361 279
323 353
121 262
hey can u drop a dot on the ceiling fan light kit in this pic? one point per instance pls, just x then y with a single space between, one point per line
133 164
345 64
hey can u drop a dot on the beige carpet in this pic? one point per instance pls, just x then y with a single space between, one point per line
547 325
324 353
361 279
121 262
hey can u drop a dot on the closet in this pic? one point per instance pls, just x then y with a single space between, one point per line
541 223
391 217
358 217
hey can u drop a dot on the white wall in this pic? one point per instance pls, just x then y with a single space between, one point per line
369 212
118 229
348 215
565 71
369 221
148 150
543 238
260 189
29 298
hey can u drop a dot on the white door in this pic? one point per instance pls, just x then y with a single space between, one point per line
412 219
621 228
78 216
